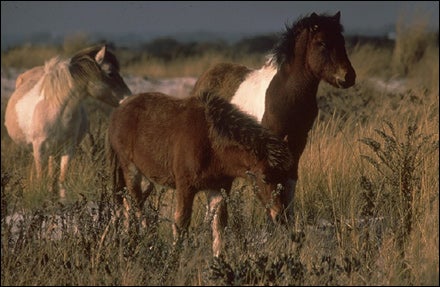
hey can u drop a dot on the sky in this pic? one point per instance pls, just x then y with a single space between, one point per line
163 18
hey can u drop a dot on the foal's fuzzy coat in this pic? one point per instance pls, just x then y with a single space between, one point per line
194 144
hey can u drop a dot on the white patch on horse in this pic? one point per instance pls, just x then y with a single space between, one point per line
25 109
251 94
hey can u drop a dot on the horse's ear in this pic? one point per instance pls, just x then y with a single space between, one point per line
314 27
337 16
99 58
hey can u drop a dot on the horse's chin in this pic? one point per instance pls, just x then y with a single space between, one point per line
114 102
123 99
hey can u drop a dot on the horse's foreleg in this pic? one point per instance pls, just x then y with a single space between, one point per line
182 214
217 214
64 166
52 170
40 158
133 181
288 199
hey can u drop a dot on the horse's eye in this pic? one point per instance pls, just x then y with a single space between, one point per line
323 44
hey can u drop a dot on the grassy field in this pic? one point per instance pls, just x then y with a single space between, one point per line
367 200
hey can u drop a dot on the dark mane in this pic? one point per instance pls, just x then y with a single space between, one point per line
83 66
282 94
91 52
285 47
229 122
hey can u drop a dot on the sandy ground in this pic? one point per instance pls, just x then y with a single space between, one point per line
177 87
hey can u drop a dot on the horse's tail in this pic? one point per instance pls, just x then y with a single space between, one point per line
114 169
228 121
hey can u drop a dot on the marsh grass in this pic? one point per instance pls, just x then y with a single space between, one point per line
366 201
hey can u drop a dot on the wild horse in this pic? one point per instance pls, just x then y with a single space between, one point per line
46 110
282 94
194 144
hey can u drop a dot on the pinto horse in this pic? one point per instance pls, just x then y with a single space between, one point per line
193 144
282 94
46 109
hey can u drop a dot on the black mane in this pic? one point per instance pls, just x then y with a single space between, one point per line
230 122
91 52
283 50
83 66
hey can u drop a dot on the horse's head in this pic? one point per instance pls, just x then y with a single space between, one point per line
271 175
326 56
99 71
270 192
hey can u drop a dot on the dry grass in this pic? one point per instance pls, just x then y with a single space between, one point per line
185 67
366 201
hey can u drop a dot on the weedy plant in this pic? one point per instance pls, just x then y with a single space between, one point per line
397 160
368 208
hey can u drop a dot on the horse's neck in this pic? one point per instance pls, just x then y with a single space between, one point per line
67 101
299 80
290 99
58 87
292 87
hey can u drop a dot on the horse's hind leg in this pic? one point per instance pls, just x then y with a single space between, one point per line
118 194
52 172
64 166
133 181
40 158
182 214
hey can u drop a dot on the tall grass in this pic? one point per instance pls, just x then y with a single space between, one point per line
366 202
193 66
412 41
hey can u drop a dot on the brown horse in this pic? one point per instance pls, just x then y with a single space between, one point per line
194 144
282 94
46 110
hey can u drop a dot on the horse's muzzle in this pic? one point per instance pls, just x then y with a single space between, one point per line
346 80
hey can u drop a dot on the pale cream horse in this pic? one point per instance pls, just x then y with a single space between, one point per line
46 110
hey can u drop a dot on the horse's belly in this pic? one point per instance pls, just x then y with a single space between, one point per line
153 172
19 114
251 94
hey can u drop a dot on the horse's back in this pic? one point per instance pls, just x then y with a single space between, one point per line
251 94
145 115
223 79
238 84
146 107
29 77
19 110
154 131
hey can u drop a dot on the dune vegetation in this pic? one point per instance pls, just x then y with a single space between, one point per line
367 200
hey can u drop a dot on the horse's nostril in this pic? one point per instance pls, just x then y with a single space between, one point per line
343 83
346 81
350 80
340 83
